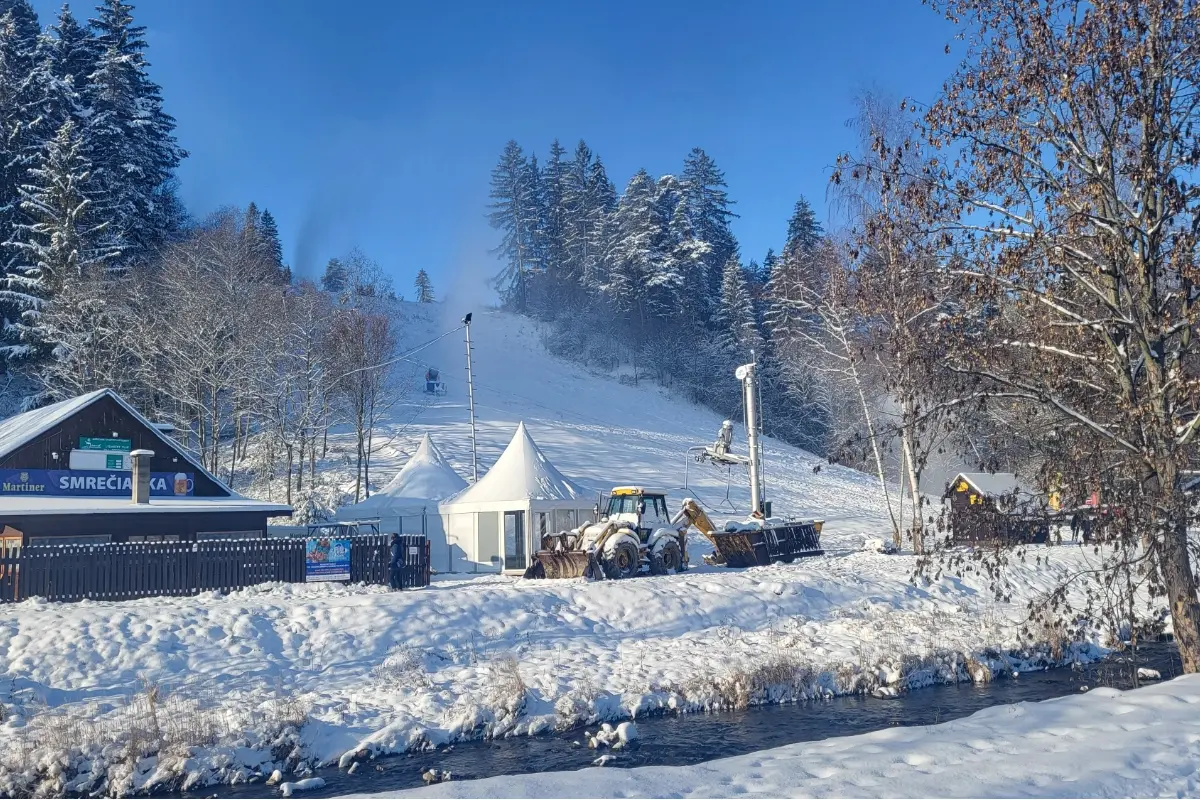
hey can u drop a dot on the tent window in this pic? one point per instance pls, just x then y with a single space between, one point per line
543 524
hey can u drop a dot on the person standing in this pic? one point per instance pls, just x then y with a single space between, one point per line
395 563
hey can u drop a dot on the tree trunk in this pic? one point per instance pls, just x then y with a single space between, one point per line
289 473
914 488
897 538
1180 584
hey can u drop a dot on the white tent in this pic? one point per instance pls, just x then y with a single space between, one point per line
522 497
408 504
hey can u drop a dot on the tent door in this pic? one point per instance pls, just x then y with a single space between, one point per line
515 556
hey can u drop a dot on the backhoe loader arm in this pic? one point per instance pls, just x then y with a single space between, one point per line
694 515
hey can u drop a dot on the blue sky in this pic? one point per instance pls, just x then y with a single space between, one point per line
376 123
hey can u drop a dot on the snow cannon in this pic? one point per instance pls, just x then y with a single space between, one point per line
761 539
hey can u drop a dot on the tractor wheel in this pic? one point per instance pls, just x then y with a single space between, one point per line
666 559
622 561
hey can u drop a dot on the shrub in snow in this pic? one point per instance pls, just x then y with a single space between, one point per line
1147 674
403 666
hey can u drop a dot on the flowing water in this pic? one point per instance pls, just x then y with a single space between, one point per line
692 738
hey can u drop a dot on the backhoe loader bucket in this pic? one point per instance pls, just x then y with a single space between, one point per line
557 564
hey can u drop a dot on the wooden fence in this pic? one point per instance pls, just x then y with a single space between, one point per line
125 571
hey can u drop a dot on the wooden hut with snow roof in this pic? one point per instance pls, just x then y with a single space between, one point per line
997 508
67 475
493 525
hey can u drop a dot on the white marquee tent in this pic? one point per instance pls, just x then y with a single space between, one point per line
498 522
408 504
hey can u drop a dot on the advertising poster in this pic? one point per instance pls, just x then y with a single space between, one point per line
327 560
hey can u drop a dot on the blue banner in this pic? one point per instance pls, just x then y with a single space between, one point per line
91 483
327 560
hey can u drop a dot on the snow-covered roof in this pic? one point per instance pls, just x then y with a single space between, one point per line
521 473
21 429
425 479
994 484
37 505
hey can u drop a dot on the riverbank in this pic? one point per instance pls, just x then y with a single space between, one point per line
120 698
1102 743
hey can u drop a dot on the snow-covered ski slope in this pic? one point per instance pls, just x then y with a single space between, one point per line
471 656
599 431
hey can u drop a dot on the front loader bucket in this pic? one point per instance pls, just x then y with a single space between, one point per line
559 564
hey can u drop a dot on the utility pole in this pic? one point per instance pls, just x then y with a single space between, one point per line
471 403
745 374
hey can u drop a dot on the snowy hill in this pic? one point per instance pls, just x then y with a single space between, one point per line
599 431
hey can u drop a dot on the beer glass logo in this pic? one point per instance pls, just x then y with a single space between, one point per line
182 484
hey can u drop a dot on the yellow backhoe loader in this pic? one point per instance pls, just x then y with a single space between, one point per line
634 533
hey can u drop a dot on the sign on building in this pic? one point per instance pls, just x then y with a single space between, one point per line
327 560
91 483
100 443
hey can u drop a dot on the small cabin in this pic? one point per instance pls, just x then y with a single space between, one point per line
997 508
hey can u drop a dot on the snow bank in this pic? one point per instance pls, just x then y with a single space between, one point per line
1107 743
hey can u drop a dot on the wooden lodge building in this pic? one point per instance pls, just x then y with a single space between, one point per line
998 508
69 473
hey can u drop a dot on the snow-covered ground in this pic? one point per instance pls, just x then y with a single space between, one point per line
1106 743
218 685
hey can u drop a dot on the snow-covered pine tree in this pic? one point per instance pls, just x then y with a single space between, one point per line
559 275
424 287
19 96
335 276
62 244
708 211
576 220
514 212
134 148
635 251
601 205
272 247
792 273
75 50
737 328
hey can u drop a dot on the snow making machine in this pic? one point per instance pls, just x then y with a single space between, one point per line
761 539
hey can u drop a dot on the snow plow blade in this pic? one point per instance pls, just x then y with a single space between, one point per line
758 548
560 564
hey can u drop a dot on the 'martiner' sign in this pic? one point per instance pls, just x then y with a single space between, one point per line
91 483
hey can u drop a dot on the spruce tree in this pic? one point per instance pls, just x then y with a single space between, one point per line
559 272
19 111
335 277
63 244
803 231
708 209
791 273
737 329
134 148
74 50
424 287
514 212
600 206
272 247
635 252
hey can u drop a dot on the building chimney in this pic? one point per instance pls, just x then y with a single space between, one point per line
141 475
